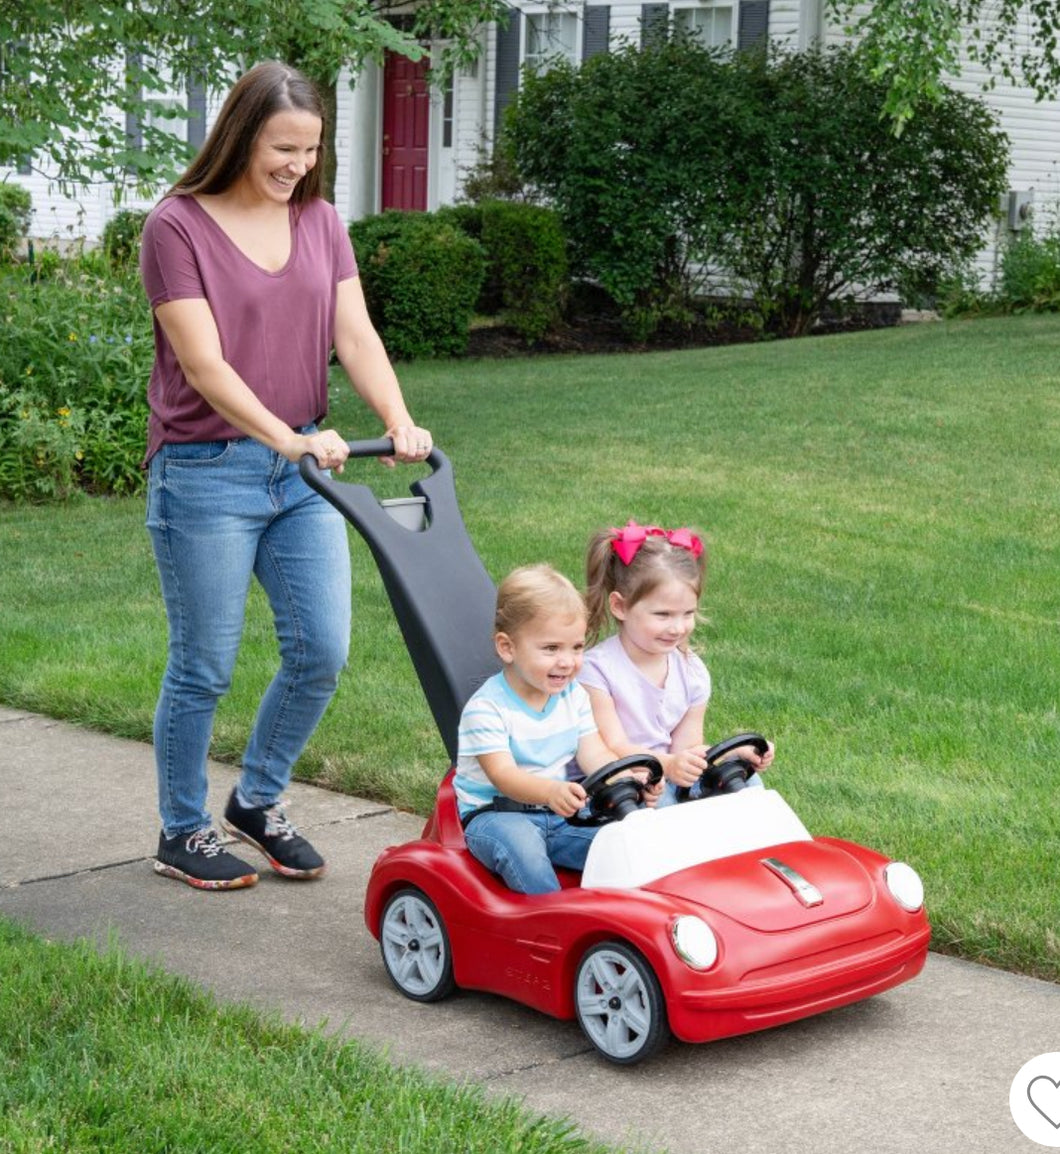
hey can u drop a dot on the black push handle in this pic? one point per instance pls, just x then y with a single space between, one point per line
379 447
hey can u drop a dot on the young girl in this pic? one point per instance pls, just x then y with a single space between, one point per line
519 731
648 690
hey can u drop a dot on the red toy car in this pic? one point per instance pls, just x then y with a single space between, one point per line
707 919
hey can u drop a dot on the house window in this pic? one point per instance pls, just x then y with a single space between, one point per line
713 25
551 34
447 114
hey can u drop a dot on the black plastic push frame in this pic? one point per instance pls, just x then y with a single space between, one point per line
442 596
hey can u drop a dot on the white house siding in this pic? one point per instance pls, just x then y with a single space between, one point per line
1033 130
357 132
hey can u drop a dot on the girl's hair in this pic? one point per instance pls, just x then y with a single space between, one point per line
656 559
531 592
258 94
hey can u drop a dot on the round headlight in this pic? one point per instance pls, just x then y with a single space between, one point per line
905 885
694 942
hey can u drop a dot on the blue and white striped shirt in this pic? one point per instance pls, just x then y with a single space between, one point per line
498 720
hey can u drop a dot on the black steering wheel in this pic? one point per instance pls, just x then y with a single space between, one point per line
726 776
611 800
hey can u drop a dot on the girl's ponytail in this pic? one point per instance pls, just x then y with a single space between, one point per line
599 583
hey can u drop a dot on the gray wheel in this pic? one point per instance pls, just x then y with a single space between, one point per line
416 947
619 1003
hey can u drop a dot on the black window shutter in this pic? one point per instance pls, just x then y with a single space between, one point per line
654 23
196 113
597 32
508 37
754 24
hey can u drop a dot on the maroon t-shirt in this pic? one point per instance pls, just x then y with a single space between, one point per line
276 328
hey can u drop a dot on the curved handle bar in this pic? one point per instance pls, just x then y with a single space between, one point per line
380 447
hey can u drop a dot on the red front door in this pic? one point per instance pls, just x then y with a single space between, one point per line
406 107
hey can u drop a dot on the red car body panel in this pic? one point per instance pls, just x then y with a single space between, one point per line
778 961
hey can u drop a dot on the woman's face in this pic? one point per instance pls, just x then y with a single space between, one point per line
285 149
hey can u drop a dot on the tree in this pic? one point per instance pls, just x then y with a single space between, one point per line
912 44
75 73
676 170
636 150
837 206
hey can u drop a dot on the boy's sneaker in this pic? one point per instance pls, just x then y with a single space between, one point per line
269 830
200 860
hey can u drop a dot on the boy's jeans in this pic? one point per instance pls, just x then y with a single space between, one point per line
523 847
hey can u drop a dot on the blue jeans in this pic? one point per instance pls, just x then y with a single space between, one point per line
218 513
523 847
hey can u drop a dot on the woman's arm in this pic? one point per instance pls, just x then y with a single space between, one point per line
361 353
191 330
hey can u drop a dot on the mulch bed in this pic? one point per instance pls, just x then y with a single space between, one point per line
601 332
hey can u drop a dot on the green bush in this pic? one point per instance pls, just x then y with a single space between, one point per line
421 276
1030 273
674 167
121 237
16 211
840 207
40 446
635 150
527 254
73 379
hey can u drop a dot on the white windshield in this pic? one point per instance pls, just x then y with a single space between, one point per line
652 843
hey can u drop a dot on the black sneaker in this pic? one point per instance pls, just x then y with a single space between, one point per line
200 860
268 829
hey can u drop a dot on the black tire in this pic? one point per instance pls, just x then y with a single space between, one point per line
619 1003
415 947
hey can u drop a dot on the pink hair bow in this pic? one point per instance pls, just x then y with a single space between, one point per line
685 539
626 542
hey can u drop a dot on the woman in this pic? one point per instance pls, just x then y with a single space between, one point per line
252 281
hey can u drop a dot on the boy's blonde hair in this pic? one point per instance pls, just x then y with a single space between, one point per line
534 591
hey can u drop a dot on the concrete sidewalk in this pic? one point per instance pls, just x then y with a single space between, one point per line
926 1067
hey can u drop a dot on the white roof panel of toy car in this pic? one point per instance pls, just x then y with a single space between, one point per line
652 843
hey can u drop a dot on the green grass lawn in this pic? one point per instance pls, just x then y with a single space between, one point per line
99 1053
883 597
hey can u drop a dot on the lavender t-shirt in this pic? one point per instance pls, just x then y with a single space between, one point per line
276 328
649 715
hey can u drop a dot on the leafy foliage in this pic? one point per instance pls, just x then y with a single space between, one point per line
911 46
636 150
73 384
527 254
674 167
421 277
1030 273
121 237
68 125
16 211
837 206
